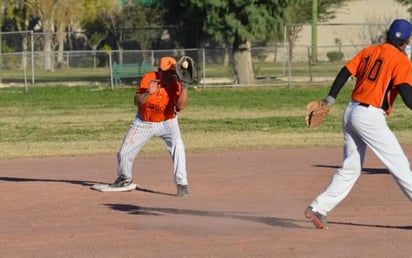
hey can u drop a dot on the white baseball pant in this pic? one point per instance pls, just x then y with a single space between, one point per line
364 127
139 133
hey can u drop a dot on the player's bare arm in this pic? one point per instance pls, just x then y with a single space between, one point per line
141 98
182 100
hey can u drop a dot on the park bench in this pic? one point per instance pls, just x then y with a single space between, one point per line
266 77
133 71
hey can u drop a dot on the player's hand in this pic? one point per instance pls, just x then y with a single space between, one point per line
154 86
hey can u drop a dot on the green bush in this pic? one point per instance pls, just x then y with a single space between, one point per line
334 56
262 56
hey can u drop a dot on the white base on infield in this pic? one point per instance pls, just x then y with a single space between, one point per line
109 188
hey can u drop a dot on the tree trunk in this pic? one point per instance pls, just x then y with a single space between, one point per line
290 52
275 52
243 63
292 36
60 39
48 50
226 59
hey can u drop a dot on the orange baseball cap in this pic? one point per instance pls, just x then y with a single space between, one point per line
167 63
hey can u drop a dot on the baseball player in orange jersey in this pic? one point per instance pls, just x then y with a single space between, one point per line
382 72
159 97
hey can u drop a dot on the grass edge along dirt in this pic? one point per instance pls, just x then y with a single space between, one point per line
85 120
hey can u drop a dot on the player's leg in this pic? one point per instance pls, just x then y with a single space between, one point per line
344 179
138 134
397 163
170 133
386 147
346 176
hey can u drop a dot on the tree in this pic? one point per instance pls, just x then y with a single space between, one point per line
21 11
46 10
66 11
407 3
130 25
101 18
143 24
236 23
55 14
76 11
189 19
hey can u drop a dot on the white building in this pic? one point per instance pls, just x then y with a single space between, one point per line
359 23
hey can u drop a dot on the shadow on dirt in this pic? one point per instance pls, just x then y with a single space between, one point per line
141 210
271 221
364 170
75 182
153 191
371 225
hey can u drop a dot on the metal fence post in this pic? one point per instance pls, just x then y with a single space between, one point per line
1 52
24 58
111 69
204 67
32 57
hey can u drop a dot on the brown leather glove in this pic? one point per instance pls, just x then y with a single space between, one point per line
185 70
316 111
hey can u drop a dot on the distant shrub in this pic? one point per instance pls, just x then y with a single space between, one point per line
334 56
262 56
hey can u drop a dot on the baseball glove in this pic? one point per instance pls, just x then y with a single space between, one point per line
316 111
185 69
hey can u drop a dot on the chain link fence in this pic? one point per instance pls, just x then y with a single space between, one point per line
214 67
26 61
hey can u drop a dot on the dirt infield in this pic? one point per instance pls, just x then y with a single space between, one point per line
241 204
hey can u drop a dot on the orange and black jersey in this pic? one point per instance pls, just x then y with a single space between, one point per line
161 105
381 71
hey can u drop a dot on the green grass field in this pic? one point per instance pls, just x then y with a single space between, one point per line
83 120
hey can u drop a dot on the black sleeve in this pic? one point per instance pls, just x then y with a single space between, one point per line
405 90
339 82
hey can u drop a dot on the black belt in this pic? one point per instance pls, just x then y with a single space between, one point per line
367 105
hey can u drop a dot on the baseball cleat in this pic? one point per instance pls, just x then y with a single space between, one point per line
182 190
122 182
317 219
119 185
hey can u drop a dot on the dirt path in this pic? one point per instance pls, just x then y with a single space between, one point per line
241 204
